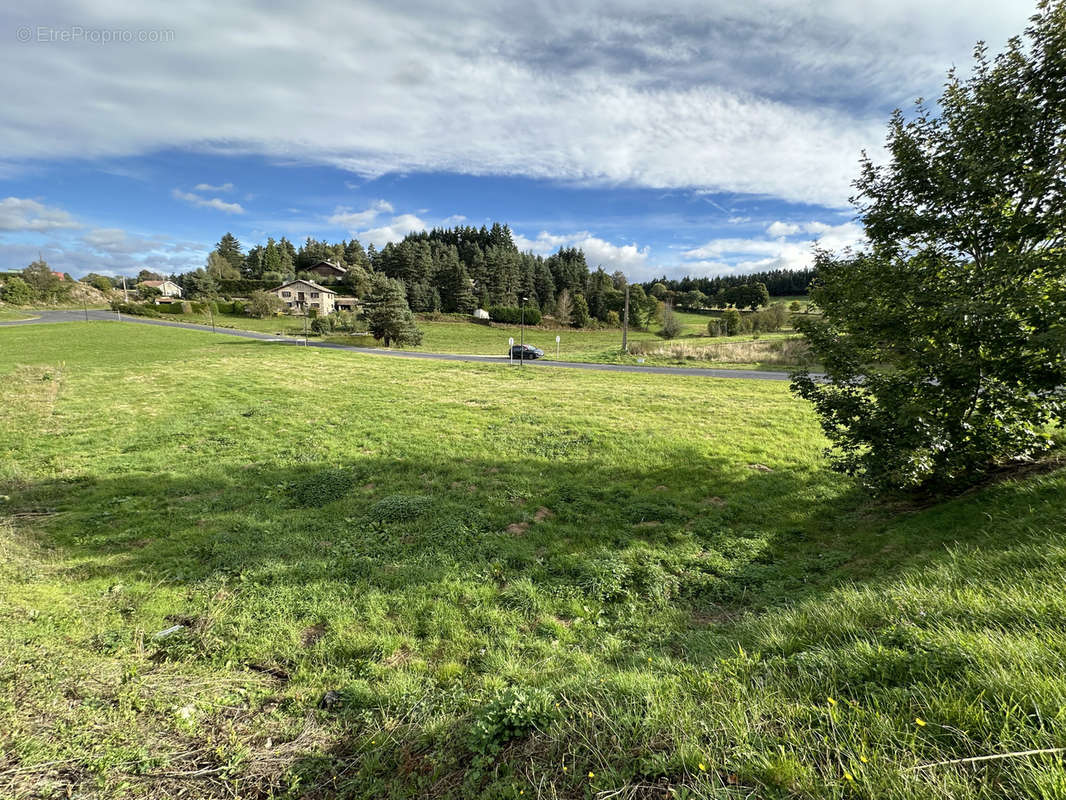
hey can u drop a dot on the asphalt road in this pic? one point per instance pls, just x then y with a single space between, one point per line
42 317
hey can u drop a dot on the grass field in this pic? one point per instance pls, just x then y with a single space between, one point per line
11 315
598 346
400 579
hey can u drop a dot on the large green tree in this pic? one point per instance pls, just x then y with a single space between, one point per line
389 318
943 341
44 283
229 248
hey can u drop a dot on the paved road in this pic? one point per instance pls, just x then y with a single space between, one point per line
80 316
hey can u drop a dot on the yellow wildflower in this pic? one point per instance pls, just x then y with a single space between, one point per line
848 776
919 722
831 701
592 775
703 767
864 760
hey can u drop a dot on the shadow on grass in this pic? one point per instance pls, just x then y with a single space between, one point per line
723 539
657 557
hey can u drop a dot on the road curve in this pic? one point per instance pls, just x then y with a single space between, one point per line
46 316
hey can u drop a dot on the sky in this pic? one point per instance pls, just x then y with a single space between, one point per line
681 137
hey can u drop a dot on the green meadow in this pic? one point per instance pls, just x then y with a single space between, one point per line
603 345
233 568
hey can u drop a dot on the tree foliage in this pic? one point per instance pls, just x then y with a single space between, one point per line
943 341
264 304
389 318
671 324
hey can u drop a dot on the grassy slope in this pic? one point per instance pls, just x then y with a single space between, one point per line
418 537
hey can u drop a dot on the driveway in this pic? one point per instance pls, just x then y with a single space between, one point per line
47 316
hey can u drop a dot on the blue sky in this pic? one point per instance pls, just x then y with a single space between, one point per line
680 138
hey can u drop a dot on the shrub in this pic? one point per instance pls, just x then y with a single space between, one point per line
671 324
263 304
613 319
17 292
513 713
243 286
322 325
170 308
134 309
731 321
512 315
715 326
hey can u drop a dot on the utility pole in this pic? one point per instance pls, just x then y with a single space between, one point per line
625 323
211 312
85 303
125 292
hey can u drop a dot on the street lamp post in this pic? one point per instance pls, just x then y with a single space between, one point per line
523 350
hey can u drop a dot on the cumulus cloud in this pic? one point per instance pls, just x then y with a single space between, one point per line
111 251
631 259
397 228
682 94
24 214
216 203
207 187
783 229
790 249
344 217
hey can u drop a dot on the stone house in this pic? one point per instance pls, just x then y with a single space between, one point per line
301 296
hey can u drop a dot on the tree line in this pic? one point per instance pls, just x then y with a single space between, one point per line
778 282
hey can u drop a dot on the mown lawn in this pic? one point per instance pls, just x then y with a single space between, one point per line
412 579
12 315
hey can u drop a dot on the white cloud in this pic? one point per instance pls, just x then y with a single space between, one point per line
23 214
207 187
783 229
685 94
737 255
112 251
632 259
344 217
216 203
393 232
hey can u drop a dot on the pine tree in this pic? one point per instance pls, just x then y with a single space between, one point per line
230 249
271 257
389 318
544 286
580 314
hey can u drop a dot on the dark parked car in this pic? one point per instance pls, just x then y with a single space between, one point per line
526 351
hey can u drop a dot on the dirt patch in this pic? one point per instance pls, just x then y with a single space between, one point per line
313 633
714 616
543 514
759 467
714 501
650 523
661 487
398 658
517 528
